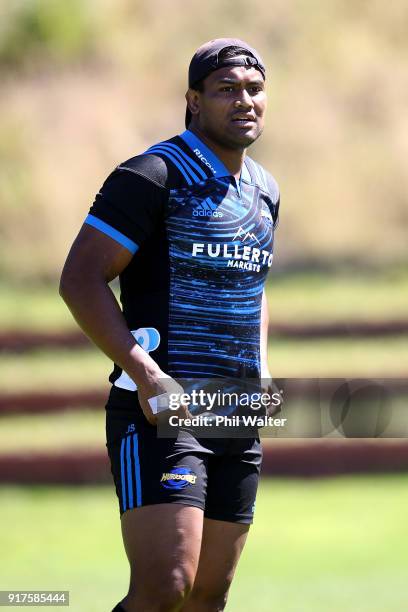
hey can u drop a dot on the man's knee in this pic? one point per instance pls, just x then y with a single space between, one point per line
210 600
164 595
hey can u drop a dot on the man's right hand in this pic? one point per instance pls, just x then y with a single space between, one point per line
159 384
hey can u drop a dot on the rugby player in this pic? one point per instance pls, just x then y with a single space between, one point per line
188 227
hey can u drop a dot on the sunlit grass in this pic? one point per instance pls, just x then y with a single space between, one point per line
320 298
34 308
83 429
314 545
339 357
85 369
292 299
60 369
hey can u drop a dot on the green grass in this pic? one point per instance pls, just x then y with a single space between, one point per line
316 298
302 297
51 432
326 545
33 308
316 545
59 369
339 357
82 369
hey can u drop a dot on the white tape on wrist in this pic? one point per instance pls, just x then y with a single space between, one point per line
159 403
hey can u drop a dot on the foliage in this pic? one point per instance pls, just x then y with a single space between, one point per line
88 84
44 30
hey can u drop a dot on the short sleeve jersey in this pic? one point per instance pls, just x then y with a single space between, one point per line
202 245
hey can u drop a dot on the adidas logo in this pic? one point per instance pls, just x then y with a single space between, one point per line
207 208
247 236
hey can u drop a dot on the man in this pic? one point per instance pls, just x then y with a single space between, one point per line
188 227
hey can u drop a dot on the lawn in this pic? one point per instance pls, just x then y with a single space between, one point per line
329 297
316 545
84 430
304 297
89 368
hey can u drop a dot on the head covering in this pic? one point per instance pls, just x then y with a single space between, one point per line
206 59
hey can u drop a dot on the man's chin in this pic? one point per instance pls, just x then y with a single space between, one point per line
235 139
244 138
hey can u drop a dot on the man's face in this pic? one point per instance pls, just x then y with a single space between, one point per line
231 108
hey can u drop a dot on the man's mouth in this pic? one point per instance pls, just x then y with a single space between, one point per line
243 120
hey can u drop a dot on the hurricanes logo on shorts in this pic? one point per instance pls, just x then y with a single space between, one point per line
178 478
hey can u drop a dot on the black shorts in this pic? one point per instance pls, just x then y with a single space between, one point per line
218 475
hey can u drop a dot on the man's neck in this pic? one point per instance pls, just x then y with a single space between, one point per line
232 159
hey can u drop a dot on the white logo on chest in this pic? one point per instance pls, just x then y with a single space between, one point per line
247 236
237 256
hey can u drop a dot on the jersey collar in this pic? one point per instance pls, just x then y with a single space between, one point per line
210 159
204 154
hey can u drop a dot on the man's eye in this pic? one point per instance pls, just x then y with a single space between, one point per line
227 88
256 89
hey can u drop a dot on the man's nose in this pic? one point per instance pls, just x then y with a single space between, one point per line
243 99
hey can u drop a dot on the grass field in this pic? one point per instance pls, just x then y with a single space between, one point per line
316 545
294 298
82 369
83 430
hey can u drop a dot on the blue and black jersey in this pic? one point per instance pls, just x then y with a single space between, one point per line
202 246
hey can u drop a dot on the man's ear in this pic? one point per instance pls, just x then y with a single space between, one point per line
193 101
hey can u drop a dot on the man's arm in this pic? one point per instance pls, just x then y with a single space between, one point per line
264 337
93 261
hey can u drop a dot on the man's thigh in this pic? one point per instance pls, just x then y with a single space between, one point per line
161 487
232 486
162 543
